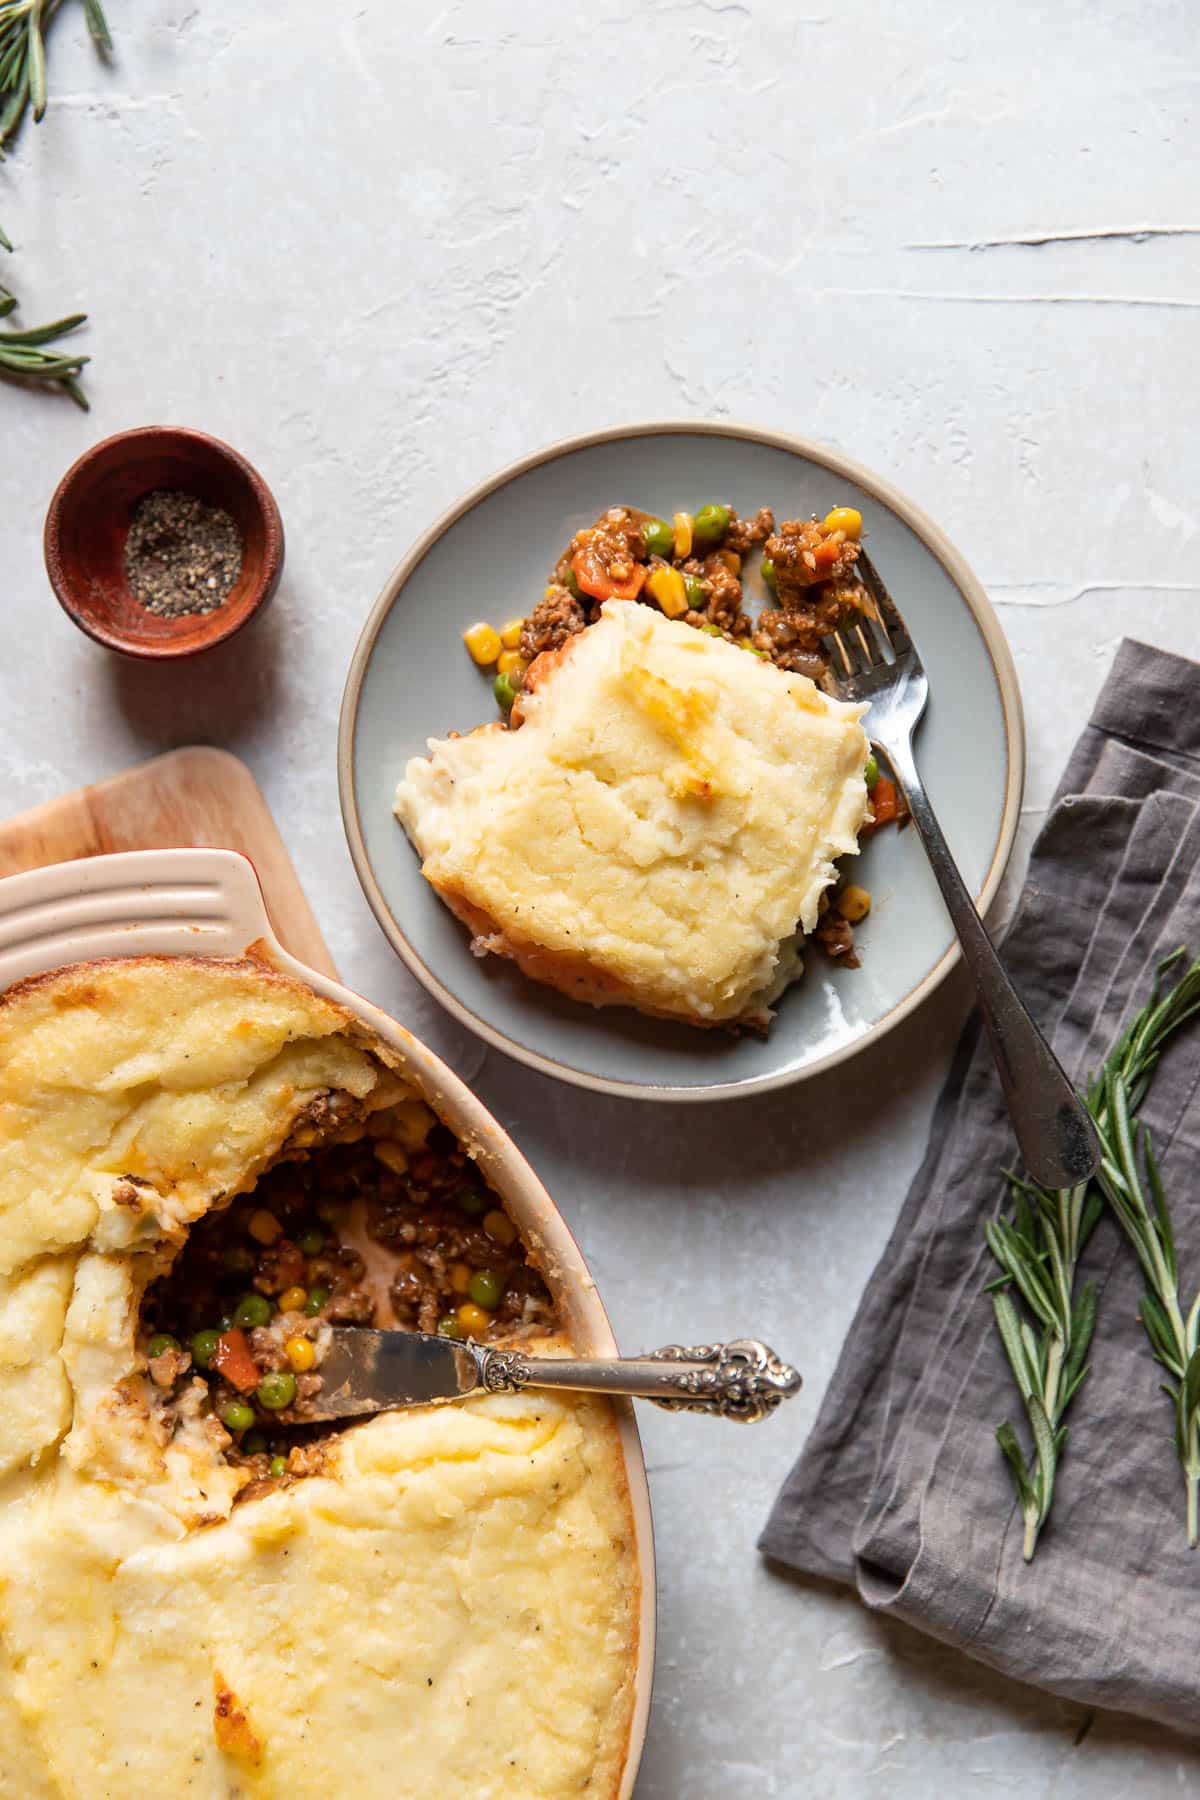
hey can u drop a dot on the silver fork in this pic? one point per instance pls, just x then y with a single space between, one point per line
875 661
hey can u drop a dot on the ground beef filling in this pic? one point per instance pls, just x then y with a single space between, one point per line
811 585
248 1306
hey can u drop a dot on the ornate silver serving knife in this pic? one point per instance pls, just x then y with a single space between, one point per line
368 1371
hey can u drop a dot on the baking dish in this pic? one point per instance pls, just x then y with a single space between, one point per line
208 903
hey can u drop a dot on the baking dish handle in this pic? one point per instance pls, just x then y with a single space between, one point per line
136 903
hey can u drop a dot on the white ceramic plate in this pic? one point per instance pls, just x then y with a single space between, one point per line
411 679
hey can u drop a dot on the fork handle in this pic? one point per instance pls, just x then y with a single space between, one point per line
1053 1127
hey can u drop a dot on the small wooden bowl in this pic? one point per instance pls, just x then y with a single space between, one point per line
88 522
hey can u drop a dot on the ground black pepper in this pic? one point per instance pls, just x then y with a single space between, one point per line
181 555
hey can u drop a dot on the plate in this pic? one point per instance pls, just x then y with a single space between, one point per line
488 557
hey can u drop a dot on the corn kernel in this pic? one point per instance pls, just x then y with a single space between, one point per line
682 523
472 1318
732 561
264 1227
389 1153
550 592
301 1354
510 634
293 1299
483 642
499 1226
511 663
666 585
846 519
460 1277
854 903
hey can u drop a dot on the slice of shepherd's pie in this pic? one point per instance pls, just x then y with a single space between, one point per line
659 829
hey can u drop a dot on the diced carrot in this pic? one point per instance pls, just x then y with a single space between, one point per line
233 1361
595 579
885 803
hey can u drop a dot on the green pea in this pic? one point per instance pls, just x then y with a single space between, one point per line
204 1348
504 691
871 772
254 1443
313 1242
239 1260
317 1297
161 1341
709 526
236 1415
276 1390
485 1288
711 630
571 583
251 1310
660 539
449 1326
278 1466
472 1201
768 573
697 595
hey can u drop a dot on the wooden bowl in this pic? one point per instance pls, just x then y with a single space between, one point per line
88 522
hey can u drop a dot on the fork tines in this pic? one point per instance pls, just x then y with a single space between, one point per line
888 640
889 621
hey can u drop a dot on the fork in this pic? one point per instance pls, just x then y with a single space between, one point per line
875 661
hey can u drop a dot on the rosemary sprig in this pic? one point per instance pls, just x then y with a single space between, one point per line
23 86
1039 1250
23 56
1147 1225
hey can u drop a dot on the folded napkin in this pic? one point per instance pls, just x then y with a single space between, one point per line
901 1489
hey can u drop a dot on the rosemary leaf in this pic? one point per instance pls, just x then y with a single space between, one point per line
1163 1218
44 334
1010 1331
1006 1437
1083 1324
37 65
1158 1329
97 25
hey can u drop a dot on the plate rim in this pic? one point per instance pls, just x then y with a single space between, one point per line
935 540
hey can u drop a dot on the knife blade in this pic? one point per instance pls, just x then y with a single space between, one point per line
367 1371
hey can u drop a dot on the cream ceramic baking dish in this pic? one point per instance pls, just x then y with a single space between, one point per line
208 903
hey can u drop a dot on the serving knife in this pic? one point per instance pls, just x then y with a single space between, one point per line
366 1371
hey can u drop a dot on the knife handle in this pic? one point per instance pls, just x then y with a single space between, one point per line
742 1380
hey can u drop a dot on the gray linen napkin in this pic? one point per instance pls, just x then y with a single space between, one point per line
901 1489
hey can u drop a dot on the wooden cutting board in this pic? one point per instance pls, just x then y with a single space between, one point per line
186 799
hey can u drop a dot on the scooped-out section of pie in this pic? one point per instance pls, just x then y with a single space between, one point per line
203 1591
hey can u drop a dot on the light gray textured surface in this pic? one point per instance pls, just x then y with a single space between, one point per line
383 251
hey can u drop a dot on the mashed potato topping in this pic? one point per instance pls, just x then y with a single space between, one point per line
660 827
447 1607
